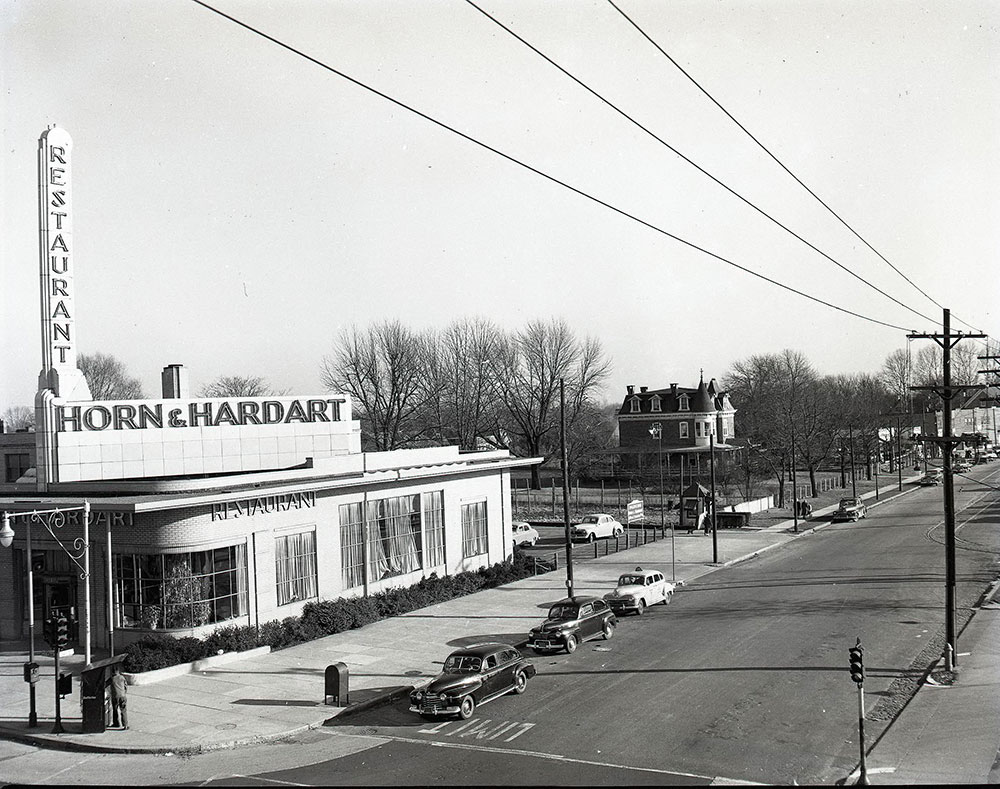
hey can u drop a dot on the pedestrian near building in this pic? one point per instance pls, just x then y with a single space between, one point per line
119 698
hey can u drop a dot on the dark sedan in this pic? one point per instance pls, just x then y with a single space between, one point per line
471 677
571 621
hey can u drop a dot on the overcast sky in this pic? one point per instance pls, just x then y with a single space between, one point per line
236 205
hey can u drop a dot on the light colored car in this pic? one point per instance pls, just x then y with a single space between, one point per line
523 533
638 589
595 526
932 478
851 509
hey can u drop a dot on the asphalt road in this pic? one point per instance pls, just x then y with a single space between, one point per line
742 677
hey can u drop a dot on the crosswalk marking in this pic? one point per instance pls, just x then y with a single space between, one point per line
484 729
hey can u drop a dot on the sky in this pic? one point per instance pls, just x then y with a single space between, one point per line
238 205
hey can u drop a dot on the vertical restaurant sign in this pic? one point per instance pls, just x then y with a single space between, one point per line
56 248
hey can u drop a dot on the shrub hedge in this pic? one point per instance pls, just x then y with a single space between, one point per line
322 617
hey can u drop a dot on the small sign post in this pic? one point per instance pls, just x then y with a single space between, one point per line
633 513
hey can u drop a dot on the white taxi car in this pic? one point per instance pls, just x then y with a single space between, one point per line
523 533
639 589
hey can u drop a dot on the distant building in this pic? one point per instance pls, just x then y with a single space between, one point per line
687 419
975 416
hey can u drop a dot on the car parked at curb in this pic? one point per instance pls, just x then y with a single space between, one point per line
932 478
638 590
962 466
850 509
471 677
572 621
593 527
523 533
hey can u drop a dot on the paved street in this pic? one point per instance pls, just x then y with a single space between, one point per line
742 677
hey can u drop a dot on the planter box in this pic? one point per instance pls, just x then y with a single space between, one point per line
160 674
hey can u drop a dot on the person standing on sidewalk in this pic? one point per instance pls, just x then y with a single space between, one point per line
119 698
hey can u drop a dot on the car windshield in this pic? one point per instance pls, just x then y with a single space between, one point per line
463 664
590 519
562 612
627 580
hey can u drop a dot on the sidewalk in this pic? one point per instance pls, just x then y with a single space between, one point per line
946 733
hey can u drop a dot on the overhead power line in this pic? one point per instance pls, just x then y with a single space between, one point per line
775 158
694 164
545 175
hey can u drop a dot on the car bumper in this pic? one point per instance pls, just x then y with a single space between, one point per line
619 606
435 708
551 642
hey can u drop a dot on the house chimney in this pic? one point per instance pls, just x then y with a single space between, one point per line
642 389
673 390
174 381
630 389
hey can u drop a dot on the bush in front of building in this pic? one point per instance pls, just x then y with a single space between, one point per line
322 617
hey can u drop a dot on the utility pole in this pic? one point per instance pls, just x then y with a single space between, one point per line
795 486
715 541
854 481
565 487
947 340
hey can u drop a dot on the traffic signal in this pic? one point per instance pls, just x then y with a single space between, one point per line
857 663
62 632
49 631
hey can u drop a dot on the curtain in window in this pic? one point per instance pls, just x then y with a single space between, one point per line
434 524
240 605
377 564
401 548
351 545
295 567
474 529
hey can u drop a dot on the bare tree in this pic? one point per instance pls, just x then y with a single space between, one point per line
238 386
108 378
384 368
465 362
18 417
532 363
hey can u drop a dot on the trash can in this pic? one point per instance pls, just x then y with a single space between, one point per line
95 693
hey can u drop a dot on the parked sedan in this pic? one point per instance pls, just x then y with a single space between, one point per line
933 478
851 509
595 526
572 621
472 676
523 533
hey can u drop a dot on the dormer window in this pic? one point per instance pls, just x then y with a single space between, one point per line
684 403
635 405
656 403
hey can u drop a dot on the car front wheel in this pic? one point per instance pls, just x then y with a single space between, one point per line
520 682
608 630
570 643
467 707
617 533
591 537
640 607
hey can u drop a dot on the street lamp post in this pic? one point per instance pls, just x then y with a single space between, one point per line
854 482
80 556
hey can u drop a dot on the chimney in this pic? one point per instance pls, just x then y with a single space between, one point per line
630 389
174 381
642 389
673 390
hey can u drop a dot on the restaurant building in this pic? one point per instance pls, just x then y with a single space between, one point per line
180 514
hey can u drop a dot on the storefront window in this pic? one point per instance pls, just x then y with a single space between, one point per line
295 567
394 540
181 590
434 527
352 554
474 533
